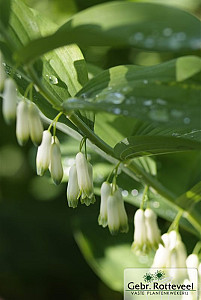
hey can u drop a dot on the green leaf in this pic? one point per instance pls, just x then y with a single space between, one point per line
135 146
4 12
62 72
190 198
146 93
108 256
142 25
187 67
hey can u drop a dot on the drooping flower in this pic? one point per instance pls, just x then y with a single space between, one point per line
73 190
2 73
152 230
43 153
9 100
192 261
22 125
87 200
35 124
140 244
105 193
55 167
84 176
172 254
123 219
113 214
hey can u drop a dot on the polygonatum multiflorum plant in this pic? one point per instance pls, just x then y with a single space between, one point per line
129 114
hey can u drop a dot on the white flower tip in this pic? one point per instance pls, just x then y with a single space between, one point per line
73 203
102 221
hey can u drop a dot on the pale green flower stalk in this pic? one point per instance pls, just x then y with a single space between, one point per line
9 100
85 179
116 214
105 193
22 125
73 190
140 245
153 232
2 73
55 167
35 124
43 153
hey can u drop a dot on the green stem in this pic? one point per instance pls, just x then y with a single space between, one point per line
197 248
175 223
144 196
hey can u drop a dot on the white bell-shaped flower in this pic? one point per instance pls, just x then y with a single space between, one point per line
43 153
177 262
140 244
87 200
22 125
73 188
192 261
105 193
123 219
161 258
172 254
2 73
153 232
84 175
56 168
113 214
9 100
35 124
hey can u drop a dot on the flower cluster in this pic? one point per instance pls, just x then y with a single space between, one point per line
29 124
80 184
112 210
172 254
49 157
147 234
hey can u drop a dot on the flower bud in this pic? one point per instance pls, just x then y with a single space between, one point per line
84 175
43 153
2 73
9 100
22 125
105 193
140 245
73 188
35 124
153 232
56 168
